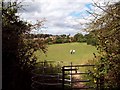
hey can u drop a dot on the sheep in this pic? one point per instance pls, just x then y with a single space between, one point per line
72 51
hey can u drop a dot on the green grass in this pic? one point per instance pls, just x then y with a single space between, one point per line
61 52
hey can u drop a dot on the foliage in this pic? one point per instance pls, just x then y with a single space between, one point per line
45 73
17 52
79 37
107 30
48 67
91 39
88 38
50 39
58 39
32 36
62 39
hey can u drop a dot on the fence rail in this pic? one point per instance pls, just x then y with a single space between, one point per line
71 81
43 77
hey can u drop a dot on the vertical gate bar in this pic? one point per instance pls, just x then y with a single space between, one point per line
63 73
97 88
43 74
102 82
71 75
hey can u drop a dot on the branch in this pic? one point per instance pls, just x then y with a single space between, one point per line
112 14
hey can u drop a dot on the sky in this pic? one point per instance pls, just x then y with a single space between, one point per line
61 16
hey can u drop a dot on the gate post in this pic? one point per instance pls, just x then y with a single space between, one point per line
71 75
102 79
63 74
102 82
97 87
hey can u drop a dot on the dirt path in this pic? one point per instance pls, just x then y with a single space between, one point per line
78 84
77 77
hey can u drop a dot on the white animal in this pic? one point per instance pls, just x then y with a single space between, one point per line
73 51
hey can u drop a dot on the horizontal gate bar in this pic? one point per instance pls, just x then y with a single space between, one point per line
78 65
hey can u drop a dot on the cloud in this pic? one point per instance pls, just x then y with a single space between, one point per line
30 7
63 16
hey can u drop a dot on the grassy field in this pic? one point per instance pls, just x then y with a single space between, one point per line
61 52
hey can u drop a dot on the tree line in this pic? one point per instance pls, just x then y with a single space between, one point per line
53 39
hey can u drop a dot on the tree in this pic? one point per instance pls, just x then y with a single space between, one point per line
107 30
58 39
79 37
49 40
17 52
90 39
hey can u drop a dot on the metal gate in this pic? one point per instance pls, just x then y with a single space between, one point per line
68 73
46 78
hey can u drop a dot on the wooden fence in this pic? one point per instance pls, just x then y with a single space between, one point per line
45 77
